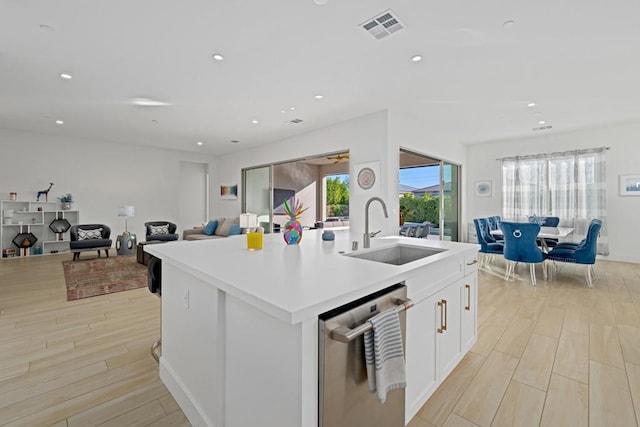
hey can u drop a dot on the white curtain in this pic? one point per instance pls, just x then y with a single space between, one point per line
569 185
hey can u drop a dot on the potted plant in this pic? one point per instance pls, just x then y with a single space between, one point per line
66 200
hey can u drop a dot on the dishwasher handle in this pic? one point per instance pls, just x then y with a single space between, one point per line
344 334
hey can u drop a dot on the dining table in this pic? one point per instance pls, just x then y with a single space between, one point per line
544 233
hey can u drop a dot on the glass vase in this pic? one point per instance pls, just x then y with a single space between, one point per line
292 232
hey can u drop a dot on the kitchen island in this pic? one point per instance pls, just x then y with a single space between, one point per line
240 328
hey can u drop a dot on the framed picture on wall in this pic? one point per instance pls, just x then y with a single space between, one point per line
229 192
629 185
483 188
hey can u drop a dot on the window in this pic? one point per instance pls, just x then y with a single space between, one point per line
568 185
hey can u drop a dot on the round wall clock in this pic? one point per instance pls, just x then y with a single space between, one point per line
366 178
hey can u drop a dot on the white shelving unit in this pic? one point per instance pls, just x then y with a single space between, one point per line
34 217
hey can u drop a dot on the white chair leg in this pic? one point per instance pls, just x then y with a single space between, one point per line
593 270
544 270
532 269
589 279
508 270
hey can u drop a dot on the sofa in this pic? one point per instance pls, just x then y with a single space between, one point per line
215 229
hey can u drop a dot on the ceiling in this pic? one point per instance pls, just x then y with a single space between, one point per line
576 60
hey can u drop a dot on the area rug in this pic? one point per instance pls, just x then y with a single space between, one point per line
99 276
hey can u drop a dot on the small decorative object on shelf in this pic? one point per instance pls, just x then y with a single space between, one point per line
59 226
13 196
24 241
292 228
66 200
44 193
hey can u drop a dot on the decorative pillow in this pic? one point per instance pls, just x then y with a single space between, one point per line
89 234
159 229
235 230
210 228
224 227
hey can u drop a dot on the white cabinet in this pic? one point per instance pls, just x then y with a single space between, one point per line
34 217
441 326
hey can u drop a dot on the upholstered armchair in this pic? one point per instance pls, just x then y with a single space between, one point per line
520 245
163 231
488 245
89 237
584 253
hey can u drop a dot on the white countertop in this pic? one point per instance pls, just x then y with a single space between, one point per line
296 282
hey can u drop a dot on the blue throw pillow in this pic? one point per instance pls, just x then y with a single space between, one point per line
235 230
210 228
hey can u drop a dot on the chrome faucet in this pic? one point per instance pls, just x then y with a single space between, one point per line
367 237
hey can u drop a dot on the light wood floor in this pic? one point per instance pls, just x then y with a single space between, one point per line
77 363
559 354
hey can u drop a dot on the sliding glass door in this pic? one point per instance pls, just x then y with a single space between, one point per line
257 195
450 202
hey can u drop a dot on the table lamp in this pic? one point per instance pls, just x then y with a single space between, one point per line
126 211
249 222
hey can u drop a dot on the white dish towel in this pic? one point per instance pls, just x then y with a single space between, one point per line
384 355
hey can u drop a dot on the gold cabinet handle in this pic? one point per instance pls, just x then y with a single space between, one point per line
468 306
442 327
444 302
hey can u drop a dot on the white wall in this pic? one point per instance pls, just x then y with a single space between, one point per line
366 138
373 138
622 158
101 176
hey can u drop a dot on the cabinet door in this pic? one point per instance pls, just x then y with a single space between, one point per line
448 305
469 300
421 355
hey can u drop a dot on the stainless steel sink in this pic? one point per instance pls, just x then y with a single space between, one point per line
397 254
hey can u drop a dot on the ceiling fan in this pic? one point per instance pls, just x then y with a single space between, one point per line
338 158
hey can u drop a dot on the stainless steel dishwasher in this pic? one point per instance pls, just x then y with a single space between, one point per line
344 397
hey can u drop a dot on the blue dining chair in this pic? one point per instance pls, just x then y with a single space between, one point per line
584 253
575 245
488 246
520 245
551 221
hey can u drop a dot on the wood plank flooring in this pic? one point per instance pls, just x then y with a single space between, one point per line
77 363
559 354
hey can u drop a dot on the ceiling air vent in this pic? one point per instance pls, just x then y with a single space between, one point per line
296 121
383 25
547 127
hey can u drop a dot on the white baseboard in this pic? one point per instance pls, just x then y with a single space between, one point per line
634 260
194 413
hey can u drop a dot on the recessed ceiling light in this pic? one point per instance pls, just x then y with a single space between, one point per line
416 58
537 113
217 57
44 27
542 122
255 122
320 2
66 76
148 102
283 111
508 24
200 143
292 108
531 104
59 122
319 96
234 141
